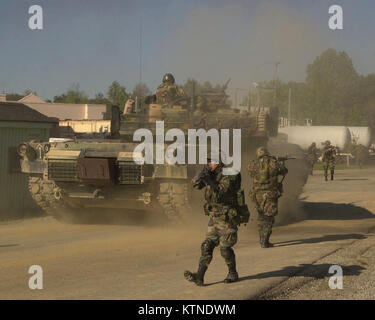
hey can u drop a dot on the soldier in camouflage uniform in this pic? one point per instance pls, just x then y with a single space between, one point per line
312 156
266 191
224 202
328 158
168 91
361 154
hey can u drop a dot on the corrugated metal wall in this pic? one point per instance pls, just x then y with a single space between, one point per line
15 201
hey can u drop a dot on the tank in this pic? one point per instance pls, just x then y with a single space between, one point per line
361 135
68 176
211 109
71 176
303 136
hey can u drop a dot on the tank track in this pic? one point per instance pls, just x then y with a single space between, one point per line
48 197
174 200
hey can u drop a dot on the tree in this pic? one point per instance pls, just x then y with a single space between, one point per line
99 99
117 94
72 95
331 81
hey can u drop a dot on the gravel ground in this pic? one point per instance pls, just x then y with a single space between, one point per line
358 263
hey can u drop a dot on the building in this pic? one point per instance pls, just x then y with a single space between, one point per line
65 111
18 123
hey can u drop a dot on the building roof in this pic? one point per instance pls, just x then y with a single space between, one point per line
15 111
70 111
31 98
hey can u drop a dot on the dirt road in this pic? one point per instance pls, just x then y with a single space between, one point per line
128 260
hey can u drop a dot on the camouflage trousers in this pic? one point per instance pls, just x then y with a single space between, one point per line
311 162
223 234
328 165
266 203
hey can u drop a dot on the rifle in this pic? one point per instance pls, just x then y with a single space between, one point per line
285 158
205 177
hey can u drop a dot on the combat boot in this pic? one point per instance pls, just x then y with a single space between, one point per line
332 173
262 239
198 277
230 260
232 276
326 177
268 243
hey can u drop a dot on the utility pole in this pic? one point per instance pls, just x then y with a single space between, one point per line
138 100
140 50
289 111
275 78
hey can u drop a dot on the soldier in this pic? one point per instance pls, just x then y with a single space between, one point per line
361 155
328 158
168 91
266 191
312 156
225 205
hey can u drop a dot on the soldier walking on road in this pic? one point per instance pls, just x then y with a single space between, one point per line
226 208
328 158
312 156
266 191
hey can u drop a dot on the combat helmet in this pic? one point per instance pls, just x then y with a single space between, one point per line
261 152
168 78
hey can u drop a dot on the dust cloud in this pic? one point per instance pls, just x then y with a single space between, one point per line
290 206
218 42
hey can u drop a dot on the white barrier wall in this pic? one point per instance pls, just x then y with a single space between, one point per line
362 135
305 135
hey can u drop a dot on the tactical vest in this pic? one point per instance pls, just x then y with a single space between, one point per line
329 155
266 174
166 93
228 198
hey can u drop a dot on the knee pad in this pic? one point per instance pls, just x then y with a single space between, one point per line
227 253
208 247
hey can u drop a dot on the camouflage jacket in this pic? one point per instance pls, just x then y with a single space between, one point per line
264 173
329 154
227 188
312 153
166 93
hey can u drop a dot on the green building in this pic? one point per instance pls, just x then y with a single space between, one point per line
18 123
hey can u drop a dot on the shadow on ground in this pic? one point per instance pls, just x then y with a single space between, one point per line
335 211
8 245
329 237
316 271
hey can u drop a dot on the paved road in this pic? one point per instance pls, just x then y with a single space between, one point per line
132 261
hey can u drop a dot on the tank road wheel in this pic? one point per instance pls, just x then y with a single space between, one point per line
173 198
49 198
40 192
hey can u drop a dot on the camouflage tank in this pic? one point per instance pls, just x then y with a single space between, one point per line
67 176
210 109
206 110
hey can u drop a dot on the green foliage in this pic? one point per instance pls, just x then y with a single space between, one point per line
117 95
72 95
333 93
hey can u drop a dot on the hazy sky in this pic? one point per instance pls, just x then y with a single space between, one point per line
94 42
